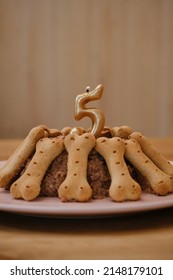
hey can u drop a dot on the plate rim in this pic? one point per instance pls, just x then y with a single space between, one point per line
97 207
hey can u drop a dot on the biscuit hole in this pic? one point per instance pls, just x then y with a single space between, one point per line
114 152
81 188
118 162
171 178
125 143
15 184
27 187
86 137
133 186
77 149
157 169
118 140
122 174
53 142
139 151
66 187
72 138
75 174
35 162
76 161
103 141
146 161
41 152
28 174
161 182
119 187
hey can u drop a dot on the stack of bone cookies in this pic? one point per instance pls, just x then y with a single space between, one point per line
78 165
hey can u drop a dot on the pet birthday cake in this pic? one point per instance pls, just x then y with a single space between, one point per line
77 164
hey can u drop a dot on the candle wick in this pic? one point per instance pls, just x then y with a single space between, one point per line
87 89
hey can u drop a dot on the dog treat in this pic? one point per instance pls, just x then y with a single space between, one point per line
28 185
154 155
122 131
19 157
106 132
77 130
160 182
75 186
51 132
123 187
66 130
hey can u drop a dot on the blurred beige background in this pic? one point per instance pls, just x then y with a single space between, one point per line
50 50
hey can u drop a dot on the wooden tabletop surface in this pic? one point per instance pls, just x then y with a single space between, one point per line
146 235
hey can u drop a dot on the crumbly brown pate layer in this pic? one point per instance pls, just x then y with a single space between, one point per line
98 175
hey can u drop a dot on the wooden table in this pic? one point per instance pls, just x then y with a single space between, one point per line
147 235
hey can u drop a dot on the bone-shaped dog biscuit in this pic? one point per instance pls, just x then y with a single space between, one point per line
123 187
51 132
20 155
28 185
75 186
160 182
153 154
122 131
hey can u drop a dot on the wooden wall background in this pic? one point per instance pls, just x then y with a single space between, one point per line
50 50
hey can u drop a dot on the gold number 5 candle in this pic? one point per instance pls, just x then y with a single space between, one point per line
96 115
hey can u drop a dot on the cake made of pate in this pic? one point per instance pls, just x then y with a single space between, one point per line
77 164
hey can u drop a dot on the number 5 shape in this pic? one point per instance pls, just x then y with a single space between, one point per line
96 115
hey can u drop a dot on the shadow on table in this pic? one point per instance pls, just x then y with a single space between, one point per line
139 221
